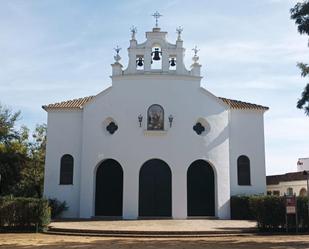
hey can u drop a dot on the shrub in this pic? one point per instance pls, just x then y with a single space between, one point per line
240 209
23 213
302 211
57 207
269 211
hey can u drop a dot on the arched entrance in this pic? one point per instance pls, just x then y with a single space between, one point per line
109 189
155 189
201 189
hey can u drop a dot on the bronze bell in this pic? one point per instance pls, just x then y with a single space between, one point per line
140 61
156 54
173 62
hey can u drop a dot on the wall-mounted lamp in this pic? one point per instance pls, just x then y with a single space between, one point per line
140 120
170 119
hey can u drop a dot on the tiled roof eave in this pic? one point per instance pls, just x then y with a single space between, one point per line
240 105
251 108
74 104
47 108
80 103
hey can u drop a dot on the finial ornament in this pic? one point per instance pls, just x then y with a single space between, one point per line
195 50
156 15
117 56
195 57
133 30
179 31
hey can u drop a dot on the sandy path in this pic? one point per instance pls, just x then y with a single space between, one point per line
23 241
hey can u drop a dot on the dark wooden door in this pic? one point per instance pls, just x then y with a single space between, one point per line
109 189
201 189
155 189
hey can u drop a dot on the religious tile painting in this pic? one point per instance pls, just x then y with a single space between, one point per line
155 118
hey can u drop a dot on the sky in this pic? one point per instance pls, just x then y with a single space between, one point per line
55 50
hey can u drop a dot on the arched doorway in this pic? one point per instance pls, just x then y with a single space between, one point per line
200 189
109 189
155 189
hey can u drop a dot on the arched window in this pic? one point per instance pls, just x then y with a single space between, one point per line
155 118
243 170
66 169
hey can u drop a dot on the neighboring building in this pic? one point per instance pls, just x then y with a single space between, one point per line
155 143
289 183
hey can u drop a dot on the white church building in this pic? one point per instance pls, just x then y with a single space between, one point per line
155 143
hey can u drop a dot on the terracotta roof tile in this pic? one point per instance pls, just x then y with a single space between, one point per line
236 104
79 103
70 104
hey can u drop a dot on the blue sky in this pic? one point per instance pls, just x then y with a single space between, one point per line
54 50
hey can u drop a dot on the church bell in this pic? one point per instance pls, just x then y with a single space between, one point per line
156 54
172 62
139 62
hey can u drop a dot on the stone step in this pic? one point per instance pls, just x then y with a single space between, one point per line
146 234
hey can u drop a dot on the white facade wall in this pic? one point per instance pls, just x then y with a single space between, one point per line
63 137
83 135
247 138
132 146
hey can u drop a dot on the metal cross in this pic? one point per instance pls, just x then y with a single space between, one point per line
179 30
156 15
117 49
195 50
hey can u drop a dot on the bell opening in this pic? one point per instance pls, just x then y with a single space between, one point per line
172 63
156 57
140 62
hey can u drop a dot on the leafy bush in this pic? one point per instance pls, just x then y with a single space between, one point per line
57 207
24 213
240 209
269 211
302 211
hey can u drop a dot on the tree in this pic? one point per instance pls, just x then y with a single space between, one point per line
300 13
13 152
21 158
7 122
32 175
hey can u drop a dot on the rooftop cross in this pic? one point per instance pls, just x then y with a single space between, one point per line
179 31
156 15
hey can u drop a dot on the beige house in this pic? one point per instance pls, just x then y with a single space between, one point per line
289 183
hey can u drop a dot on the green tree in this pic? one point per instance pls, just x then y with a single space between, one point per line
21 157
32 175
13 152
300 13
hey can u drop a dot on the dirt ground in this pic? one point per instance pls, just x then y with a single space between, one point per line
23 241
